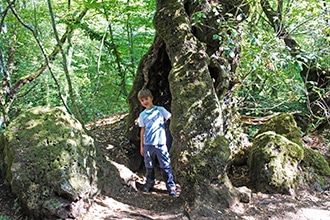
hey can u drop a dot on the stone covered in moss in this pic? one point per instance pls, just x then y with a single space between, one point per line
314 159
46 156
285 125
316 170
273 163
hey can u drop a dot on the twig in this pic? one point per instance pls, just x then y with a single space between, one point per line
258 121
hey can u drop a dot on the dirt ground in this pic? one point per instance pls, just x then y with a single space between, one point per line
157 205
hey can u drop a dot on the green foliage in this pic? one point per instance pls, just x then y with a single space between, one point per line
269 75
107 44
198 16
103 53
270 78
16 207
3 217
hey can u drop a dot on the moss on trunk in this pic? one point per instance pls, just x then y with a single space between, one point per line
196 75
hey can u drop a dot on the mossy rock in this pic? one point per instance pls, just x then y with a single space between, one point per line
47 156
316 170
285 125
273 163
314 159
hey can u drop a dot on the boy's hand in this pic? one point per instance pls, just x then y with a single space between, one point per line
142 151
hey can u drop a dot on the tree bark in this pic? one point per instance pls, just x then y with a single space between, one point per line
189 72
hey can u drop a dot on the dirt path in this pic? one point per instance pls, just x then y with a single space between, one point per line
128 204
131 205
139 205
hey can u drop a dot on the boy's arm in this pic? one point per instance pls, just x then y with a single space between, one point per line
166 114
142 140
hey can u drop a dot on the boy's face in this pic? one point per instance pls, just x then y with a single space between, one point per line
146 102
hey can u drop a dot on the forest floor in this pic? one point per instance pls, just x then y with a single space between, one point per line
157 205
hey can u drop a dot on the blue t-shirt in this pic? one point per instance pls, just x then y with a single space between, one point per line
153 120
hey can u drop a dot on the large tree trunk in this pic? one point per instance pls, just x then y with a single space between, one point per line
189 72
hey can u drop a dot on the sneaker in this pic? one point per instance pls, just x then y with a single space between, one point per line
147 188
172 192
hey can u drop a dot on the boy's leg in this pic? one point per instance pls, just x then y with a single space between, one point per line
149 154
150 176
165 165
168 178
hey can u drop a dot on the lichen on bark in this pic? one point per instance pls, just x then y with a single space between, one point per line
197 75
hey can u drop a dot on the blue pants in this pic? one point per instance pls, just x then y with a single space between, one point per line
161 152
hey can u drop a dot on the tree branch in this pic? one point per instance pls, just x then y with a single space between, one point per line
275 19
65 65
48 58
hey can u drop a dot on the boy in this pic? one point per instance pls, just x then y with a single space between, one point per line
153 141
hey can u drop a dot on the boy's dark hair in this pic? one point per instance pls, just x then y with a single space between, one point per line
144 93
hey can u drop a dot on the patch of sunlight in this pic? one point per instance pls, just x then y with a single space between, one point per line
315 214
39 110
33 123
110 146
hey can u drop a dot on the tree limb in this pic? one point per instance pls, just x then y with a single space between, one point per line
48 59
249 120
65 66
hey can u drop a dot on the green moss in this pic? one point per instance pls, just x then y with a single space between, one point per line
273 162
284 125
316 173
48 156
210 162
314 159
201 164
52 204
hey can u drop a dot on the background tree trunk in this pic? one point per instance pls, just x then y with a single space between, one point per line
189 69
